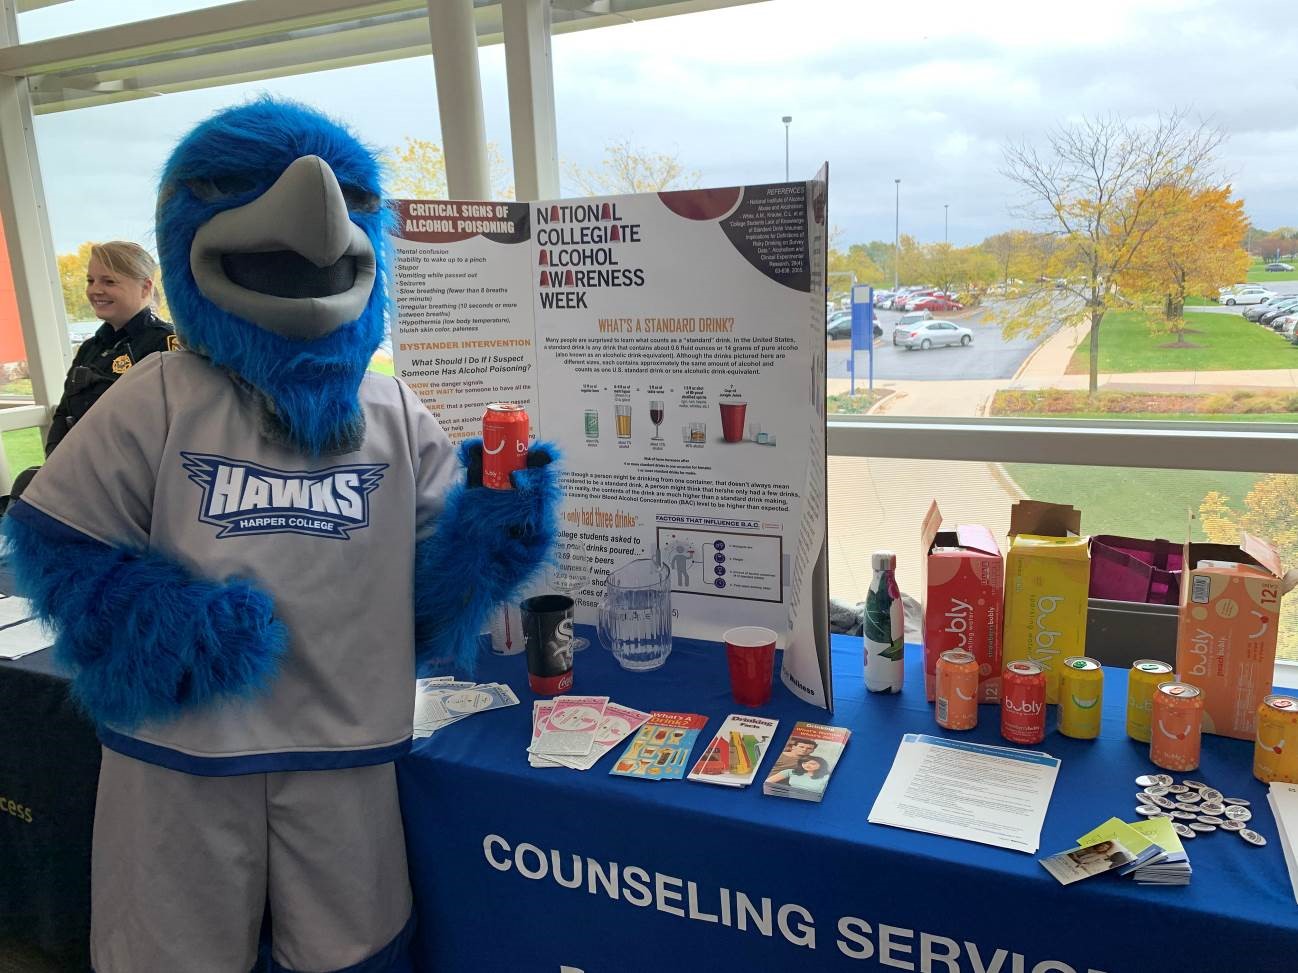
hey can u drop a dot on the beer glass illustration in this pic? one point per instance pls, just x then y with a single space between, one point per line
656 416
732 421
623 415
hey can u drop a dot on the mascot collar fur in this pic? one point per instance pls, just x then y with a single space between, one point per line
271 239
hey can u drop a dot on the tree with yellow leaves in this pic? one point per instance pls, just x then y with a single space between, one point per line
1269 511
417 170
627 168
1194 246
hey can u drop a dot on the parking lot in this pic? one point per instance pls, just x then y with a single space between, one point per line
990 356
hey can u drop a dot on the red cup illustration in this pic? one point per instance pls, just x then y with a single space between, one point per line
732 421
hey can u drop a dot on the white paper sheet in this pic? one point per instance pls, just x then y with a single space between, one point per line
1283 799
991 795
23 639
14 609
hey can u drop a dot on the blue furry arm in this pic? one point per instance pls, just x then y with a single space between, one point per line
145 638
486 545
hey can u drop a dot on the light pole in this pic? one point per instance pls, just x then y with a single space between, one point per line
946 222
896 235
786 119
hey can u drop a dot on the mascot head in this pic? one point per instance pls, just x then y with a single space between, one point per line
271 236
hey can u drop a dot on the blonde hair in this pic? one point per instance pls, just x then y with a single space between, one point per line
125 259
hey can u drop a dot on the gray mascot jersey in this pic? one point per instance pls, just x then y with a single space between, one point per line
170 460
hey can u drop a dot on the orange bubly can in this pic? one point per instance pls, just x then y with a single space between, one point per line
956 698
1177 726
1142 681
1023 702
504 443
1275 751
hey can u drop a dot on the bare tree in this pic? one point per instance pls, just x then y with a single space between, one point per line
1091 186
627 168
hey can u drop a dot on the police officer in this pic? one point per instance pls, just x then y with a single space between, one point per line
119 286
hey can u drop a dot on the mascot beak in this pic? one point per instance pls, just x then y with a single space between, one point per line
290 261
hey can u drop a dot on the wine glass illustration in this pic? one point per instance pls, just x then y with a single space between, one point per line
656 416
569 572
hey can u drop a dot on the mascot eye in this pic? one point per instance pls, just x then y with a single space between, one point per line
219 187
360 200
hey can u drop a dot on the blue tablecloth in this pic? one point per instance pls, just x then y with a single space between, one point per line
501 854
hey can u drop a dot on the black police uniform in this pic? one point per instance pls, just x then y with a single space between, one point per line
100 361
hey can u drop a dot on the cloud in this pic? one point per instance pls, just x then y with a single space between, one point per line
878 91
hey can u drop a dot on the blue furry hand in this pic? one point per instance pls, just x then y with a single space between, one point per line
487 544
147 640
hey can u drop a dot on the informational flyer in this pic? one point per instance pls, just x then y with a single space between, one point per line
992 795
673 345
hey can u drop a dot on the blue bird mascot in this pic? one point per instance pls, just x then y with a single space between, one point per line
245 548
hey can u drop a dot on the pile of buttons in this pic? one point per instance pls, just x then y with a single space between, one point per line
1194 808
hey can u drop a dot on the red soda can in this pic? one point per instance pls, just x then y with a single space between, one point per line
504 443
1023 702
956 698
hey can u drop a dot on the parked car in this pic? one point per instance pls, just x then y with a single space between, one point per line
881 298
1278 267
930 334
1287 325
1275 309
907 322
1255 311
1246 295
899 300
934 302
839 324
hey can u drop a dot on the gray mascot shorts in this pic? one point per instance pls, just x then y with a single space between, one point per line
183 866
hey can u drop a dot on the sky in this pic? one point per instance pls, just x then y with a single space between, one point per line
928 93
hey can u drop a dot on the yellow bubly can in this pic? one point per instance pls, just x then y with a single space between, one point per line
1143 679
1081 697
1275 749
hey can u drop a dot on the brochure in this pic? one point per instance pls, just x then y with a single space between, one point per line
540 716
442 700
1173 868
619 723
806 763
1283 798
735 753
661 748
1075 864
1144 850
570 729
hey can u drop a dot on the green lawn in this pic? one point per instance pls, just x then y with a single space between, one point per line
1226 342
1256 275
1195 417
23 449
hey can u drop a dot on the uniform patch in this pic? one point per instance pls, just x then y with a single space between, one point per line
173 342
121 363
246 498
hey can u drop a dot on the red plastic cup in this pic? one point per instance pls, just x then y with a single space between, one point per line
732 421
750 652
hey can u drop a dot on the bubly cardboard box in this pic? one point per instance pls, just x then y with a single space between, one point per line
1225 641
1047 580
964 584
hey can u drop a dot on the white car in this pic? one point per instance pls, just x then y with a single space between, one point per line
930 334
1246 295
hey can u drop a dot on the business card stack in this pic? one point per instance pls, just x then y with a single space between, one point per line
1283 799
443 700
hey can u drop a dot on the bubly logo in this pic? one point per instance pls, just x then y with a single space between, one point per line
1026 708
1200 647
246 498
957 620
1045 636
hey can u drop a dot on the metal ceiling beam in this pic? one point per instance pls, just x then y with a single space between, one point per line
257 40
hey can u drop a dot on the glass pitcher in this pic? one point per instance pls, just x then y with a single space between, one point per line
635 617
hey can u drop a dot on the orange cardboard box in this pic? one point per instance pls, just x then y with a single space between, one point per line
963 589
1226 635
1047 580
